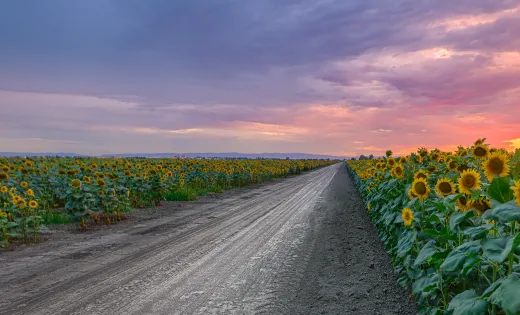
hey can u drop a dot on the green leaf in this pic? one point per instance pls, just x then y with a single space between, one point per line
459 217
498 249
506 212
457 257
425 253
500 190
471 261
478 231
507 294
443 234
467 303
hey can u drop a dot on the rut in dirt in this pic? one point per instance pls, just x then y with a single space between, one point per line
301 245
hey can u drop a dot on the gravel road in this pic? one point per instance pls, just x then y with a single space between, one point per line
300 245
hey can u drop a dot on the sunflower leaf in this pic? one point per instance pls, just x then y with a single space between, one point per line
506 212
506 295
500 190
467 303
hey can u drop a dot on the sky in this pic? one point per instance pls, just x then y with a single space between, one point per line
332 77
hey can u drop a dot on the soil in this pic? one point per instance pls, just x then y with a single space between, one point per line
301 245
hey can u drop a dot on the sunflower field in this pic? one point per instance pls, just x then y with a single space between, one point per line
39 190
450 223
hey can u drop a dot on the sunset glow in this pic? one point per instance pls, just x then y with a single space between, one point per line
289 79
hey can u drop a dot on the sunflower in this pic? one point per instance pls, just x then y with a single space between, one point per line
3 189
71 172
481 205
516 191
407 215
496 165
423 152
101 183
411 195
20 203
4 176
24 185
75 183
398 171
431 168
3 214
159 167
469 179
452 165
421 174
391 161
462 203
33 204
101 192
480 151
87 179
420 188
30 192
445 187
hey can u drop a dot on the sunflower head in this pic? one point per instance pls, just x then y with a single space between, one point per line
75 183
4 176
407 215
420 188
33 204
87 179
423 152
421 174
481 205
469 179
480 151
30 192
516 191
452 165
462 203
3 189
444 187
24 184
411 195
398 171
101 183
497 164
3 214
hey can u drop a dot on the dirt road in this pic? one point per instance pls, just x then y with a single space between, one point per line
300 245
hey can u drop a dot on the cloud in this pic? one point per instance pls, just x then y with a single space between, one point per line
290 75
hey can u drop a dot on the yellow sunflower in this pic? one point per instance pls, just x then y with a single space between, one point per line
411 195
421 174
407 215
481 205
101 183
75 183
30 192
516 191
391 161
462 203
480 151
87 179
452 165
420 188
398 171
3 214
4 176
469 179
444 187
496 165
24 185
3 189
33 204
